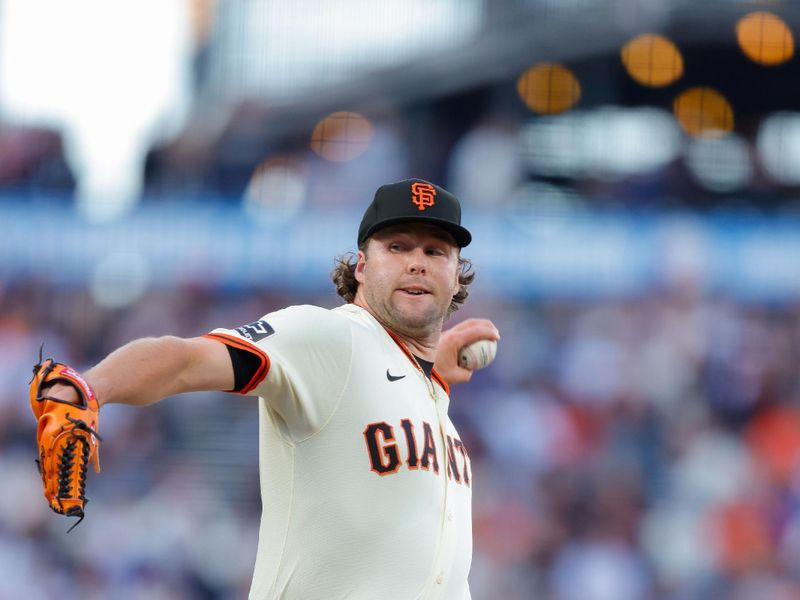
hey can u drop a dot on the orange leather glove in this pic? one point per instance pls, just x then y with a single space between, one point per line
66 435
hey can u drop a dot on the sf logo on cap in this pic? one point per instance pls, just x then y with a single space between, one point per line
422 194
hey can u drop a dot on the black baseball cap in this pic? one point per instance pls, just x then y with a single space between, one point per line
414 200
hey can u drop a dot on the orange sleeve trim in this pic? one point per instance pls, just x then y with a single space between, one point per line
241 344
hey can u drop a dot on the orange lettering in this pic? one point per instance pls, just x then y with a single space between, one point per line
422 194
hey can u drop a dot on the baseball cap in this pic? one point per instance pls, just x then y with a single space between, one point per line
414 200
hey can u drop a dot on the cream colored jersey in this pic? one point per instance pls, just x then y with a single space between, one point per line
365 483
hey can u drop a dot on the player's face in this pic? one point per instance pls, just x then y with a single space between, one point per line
408 276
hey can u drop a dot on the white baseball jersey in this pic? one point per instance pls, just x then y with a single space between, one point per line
365 483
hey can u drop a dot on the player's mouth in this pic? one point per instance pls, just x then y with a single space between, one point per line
414 291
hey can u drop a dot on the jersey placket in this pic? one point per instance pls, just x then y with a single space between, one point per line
447 536
445 551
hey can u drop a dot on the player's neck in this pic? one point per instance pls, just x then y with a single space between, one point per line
422 346
424 349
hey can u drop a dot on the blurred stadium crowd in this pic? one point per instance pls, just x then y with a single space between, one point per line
627 446
622 450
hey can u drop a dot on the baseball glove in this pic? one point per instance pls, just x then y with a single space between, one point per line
67 437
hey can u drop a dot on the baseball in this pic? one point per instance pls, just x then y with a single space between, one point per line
477 355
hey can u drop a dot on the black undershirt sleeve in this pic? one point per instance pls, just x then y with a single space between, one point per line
245 364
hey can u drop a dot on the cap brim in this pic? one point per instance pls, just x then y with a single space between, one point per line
460 234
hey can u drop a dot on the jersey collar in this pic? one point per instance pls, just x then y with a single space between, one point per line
436 377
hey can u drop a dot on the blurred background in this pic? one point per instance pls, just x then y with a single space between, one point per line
630 170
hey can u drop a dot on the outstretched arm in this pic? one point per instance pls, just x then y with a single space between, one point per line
455 338
149 369
66 404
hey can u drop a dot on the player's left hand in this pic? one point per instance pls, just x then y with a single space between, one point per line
66 411
455 338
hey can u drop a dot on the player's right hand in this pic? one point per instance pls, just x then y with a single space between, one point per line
455 338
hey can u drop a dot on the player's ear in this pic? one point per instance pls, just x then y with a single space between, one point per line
360 266
456 283
456 286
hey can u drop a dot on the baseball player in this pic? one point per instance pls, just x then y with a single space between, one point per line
365 482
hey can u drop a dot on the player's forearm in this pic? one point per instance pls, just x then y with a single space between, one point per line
139 373
150 369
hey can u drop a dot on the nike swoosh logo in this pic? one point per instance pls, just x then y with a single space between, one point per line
391 377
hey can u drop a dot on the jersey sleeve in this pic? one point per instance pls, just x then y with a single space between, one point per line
299 364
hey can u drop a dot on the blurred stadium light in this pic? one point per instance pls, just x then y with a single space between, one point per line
703 111
765 38
549 88
608 141
779 146
652 60
720 164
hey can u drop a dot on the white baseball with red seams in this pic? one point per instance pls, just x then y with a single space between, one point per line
477 355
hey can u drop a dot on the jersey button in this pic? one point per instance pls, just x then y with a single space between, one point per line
440 578
450 516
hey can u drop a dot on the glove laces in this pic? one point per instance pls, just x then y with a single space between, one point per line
66 467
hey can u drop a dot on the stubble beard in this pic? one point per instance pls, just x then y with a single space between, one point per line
419 324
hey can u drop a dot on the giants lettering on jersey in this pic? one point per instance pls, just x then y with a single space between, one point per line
387 456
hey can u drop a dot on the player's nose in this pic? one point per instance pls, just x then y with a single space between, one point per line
417 261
